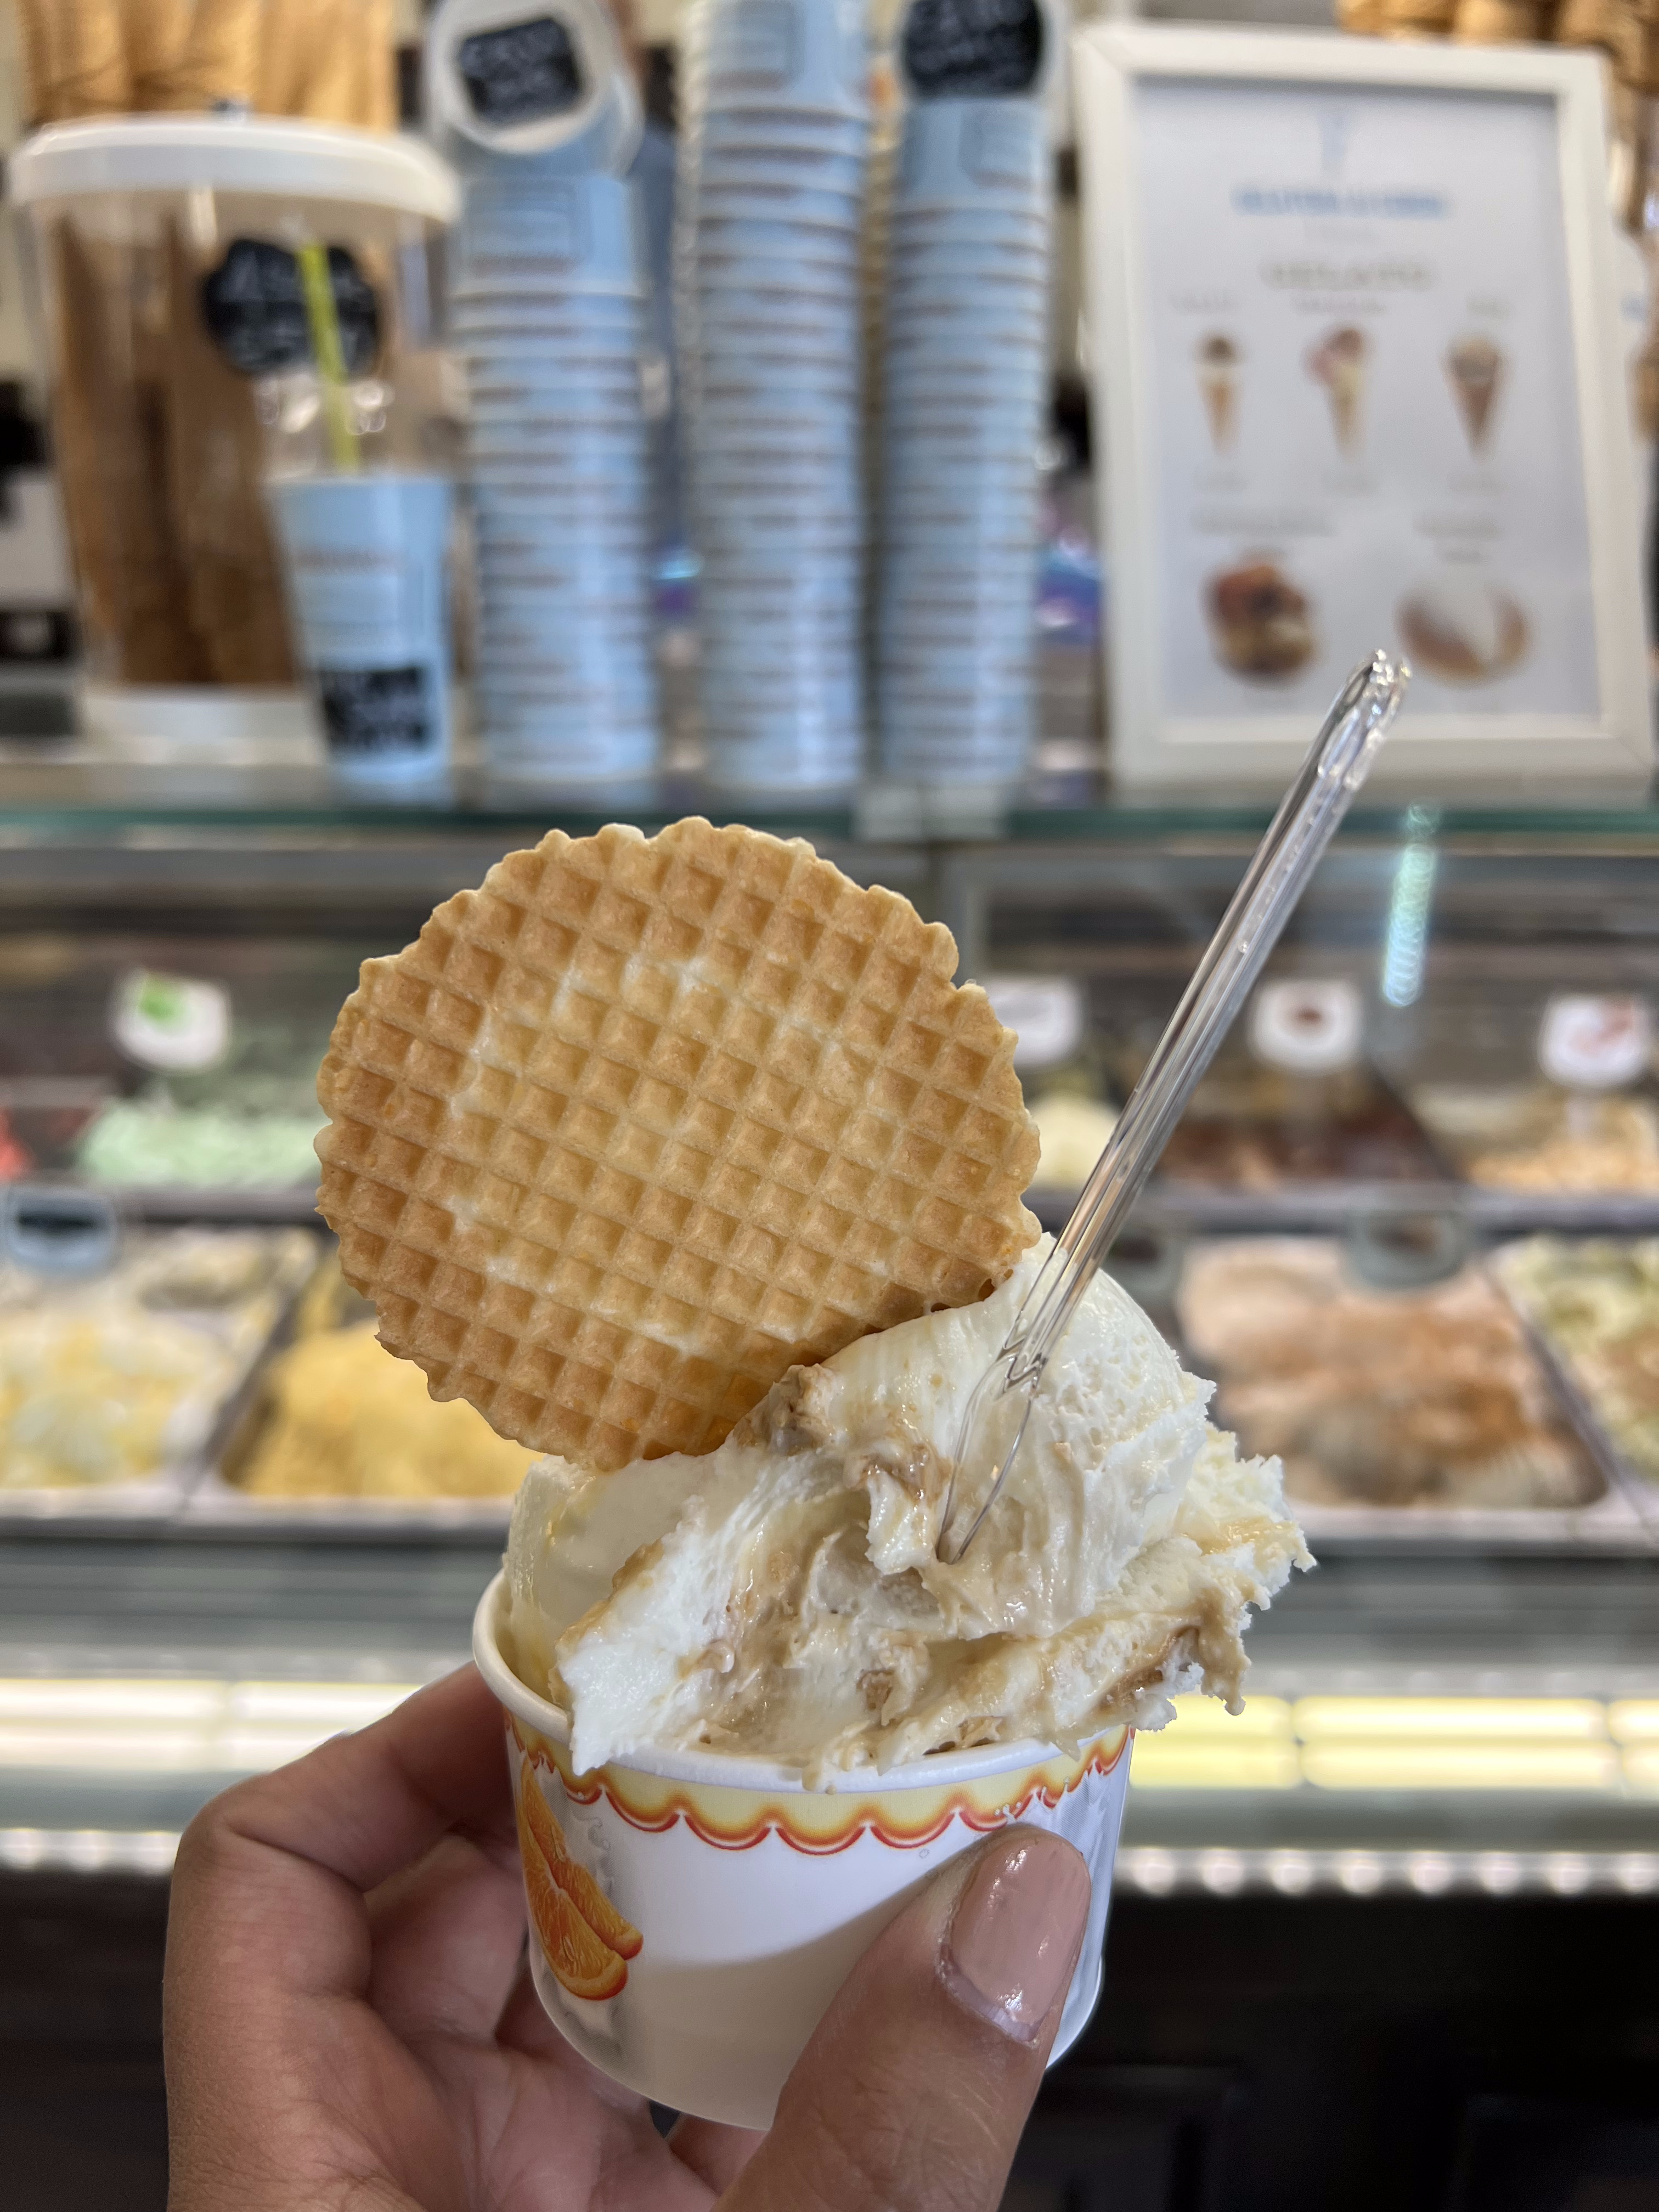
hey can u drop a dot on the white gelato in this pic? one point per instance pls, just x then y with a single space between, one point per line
781 1597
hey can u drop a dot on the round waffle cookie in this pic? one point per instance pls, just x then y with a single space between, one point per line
643 1123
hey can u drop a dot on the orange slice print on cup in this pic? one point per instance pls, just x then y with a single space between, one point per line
586 1941
620 1935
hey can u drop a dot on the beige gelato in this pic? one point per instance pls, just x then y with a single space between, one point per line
341 1417
1074 1132
781 1597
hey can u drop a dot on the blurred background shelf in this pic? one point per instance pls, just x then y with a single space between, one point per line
54 790
1495 1712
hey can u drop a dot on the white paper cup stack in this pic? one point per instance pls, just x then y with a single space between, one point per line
547 312
771 183
964 367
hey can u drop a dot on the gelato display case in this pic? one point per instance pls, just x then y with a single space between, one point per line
202 1573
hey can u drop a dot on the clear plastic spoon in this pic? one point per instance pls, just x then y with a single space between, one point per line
1001 1406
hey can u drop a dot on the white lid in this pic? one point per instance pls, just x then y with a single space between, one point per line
266 154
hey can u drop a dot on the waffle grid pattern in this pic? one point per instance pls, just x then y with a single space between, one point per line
642 1124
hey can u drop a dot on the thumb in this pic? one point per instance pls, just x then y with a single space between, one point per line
917 2083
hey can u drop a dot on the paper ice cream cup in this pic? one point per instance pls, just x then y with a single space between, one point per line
692 1915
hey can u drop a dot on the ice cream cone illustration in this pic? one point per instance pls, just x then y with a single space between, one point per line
1474 369
1338 362
1218 381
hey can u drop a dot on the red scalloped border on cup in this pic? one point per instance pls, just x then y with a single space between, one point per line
737 1819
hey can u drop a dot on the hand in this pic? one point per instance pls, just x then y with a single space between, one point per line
350 2025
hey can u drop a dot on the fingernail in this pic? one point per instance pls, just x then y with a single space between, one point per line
1013 1940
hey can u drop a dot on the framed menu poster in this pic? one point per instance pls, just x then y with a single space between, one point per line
1357 351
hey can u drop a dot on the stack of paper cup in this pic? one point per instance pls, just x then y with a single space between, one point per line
771 198
548 304
964 356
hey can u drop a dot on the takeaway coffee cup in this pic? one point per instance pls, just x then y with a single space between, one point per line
366 560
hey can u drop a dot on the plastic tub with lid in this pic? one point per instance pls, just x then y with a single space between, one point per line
224 301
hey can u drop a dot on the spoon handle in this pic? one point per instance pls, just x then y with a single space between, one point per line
1337 765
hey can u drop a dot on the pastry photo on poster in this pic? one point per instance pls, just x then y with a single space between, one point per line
1367 417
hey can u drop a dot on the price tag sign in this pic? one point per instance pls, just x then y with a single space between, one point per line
253 305
958 49
1312 1027
378 713
170 1022
1594 1044
1046 1013
521 72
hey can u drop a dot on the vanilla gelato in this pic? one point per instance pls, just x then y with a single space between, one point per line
780 1596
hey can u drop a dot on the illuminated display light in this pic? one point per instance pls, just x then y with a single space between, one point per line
1411 904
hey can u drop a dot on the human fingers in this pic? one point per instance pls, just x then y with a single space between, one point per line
609 2152
915 2087
447 1935
524 2027
269 1928
717 2153
367 1805
266 1901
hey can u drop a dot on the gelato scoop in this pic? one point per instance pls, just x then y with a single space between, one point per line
781 1597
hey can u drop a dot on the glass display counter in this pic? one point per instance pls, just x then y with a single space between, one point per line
1406 1223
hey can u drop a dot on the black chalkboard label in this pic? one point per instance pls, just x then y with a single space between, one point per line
377 712
254 307
36 634
958 48
521 72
